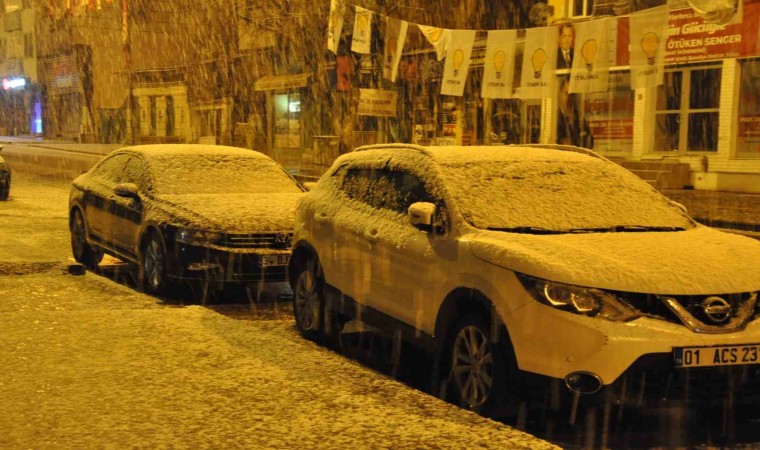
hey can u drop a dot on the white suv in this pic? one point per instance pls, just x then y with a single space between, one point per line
515 260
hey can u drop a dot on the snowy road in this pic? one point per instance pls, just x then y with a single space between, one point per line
88 362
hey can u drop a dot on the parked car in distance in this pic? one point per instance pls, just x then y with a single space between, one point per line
515 263
5 178
186 212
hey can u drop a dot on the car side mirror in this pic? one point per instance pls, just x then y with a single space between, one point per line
126 190
420 215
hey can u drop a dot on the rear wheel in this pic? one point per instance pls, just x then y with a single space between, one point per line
477 366
82 251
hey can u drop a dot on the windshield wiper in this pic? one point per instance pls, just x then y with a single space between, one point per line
527 230
624 228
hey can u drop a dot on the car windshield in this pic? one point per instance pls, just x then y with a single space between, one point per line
218 174
559 196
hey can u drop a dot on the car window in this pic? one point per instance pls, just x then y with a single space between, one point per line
136 171
408 189
356 183
385 189
111 169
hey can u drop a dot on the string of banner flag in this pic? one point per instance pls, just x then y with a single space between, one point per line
61 8
588 73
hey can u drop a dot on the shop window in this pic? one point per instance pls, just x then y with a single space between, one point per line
687 110
12 20
28 45
153 116
748 138
506 124
287 114
169 115
581 8
210 122
610 116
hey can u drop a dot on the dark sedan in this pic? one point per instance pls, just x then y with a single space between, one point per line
186 212
5 178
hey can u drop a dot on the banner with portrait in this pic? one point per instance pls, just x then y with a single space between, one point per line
499 64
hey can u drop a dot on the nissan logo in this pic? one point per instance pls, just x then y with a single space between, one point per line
716 309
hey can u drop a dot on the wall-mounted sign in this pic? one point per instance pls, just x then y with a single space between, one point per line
376 102
62 75
690 38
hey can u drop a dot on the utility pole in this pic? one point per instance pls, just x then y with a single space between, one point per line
127 46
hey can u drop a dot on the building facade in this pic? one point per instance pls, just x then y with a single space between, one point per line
20 96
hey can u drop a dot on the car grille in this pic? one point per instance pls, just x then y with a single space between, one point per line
258 240
701 313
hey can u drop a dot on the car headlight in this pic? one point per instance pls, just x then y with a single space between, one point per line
585 301
194 236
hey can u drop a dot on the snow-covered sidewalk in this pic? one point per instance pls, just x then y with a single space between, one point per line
86 362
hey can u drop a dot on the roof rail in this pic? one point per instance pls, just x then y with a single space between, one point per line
400 146
565 147
424 150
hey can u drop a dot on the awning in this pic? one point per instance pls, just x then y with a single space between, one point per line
272 82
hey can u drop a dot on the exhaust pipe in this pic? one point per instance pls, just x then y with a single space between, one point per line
583 382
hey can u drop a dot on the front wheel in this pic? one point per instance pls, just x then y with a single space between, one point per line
82 251
477 366
152 270
5 187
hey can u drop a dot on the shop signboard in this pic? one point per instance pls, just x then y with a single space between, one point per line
377 102
62 73
691 38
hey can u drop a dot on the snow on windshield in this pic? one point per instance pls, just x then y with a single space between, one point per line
218 174
502 187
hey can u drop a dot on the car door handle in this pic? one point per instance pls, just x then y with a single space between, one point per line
321 217
371 234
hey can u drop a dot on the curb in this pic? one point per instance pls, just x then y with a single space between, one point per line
29 268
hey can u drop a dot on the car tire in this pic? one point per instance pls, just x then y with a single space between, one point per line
152 277
477 367
6 188
308 301
83 252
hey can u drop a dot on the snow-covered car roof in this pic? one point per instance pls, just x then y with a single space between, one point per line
212 169
150 150
557 188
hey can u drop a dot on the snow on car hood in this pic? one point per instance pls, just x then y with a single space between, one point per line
698 261
237 213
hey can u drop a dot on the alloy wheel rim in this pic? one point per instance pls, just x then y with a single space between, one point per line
472 366
305 301
154 261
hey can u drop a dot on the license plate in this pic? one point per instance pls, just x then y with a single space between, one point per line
724 355
274 260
